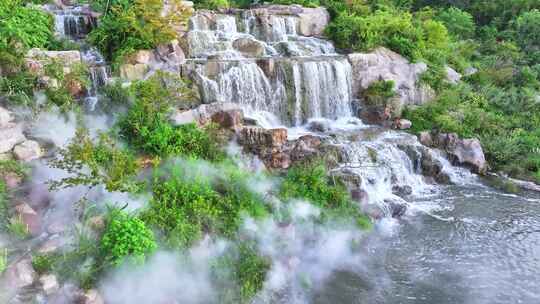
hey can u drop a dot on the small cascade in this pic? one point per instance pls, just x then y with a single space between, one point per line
261 62
72 22
75 23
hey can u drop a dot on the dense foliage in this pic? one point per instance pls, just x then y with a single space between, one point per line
130 25
126 237
146 126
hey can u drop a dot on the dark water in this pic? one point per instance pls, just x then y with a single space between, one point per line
465 245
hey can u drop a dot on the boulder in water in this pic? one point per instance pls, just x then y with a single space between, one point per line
465 152
249 47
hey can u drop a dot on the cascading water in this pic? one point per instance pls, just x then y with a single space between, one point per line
74 23
263 64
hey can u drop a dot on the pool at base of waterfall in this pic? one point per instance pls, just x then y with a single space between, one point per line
466 244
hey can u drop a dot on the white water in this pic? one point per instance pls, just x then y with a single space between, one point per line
296 78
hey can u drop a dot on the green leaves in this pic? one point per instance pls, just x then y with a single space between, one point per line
126 237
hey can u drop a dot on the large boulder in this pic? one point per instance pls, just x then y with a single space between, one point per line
133 72
36 59
249 47
21 274
313 21
257 137
171 53
49 284
384 64
465 152
10 136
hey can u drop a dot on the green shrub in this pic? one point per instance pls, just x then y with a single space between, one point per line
18 228
43 263
216 4
4 216
131 25
146 126
459 23
241 272
185 209
27 25
310 181
379 92
3 260
126 237
100 163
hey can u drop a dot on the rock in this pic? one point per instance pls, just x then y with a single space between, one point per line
171 52
397 209
230 119
133 72
49 284
259 137
27 151
21 274
313 21
76 88
11 179
425 138
360 196
432 167
57 227
6 117
36 59
203 114
51 245
249 47
45 82
383 64
466 152
470 71
279 160
318 126
97 222
29 217
304 147
452 76
10 136
402 124
92 297
401 190
141 57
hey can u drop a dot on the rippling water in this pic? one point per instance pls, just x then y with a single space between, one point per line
467 244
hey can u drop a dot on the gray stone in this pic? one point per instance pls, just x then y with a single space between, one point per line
10 136
466 152
133 72
402 124
384 64
21 274
452 76
49 284
5 117
27 151
313 21
249 47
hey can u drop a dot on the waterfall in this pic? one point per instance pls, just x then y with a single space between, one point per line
72 22
296 77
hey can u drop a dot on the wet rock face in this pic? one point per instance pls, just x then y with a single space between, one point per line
464 152
383 64
260 138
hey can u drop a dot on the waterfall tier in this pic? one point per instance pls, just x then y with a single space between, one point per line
261 61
